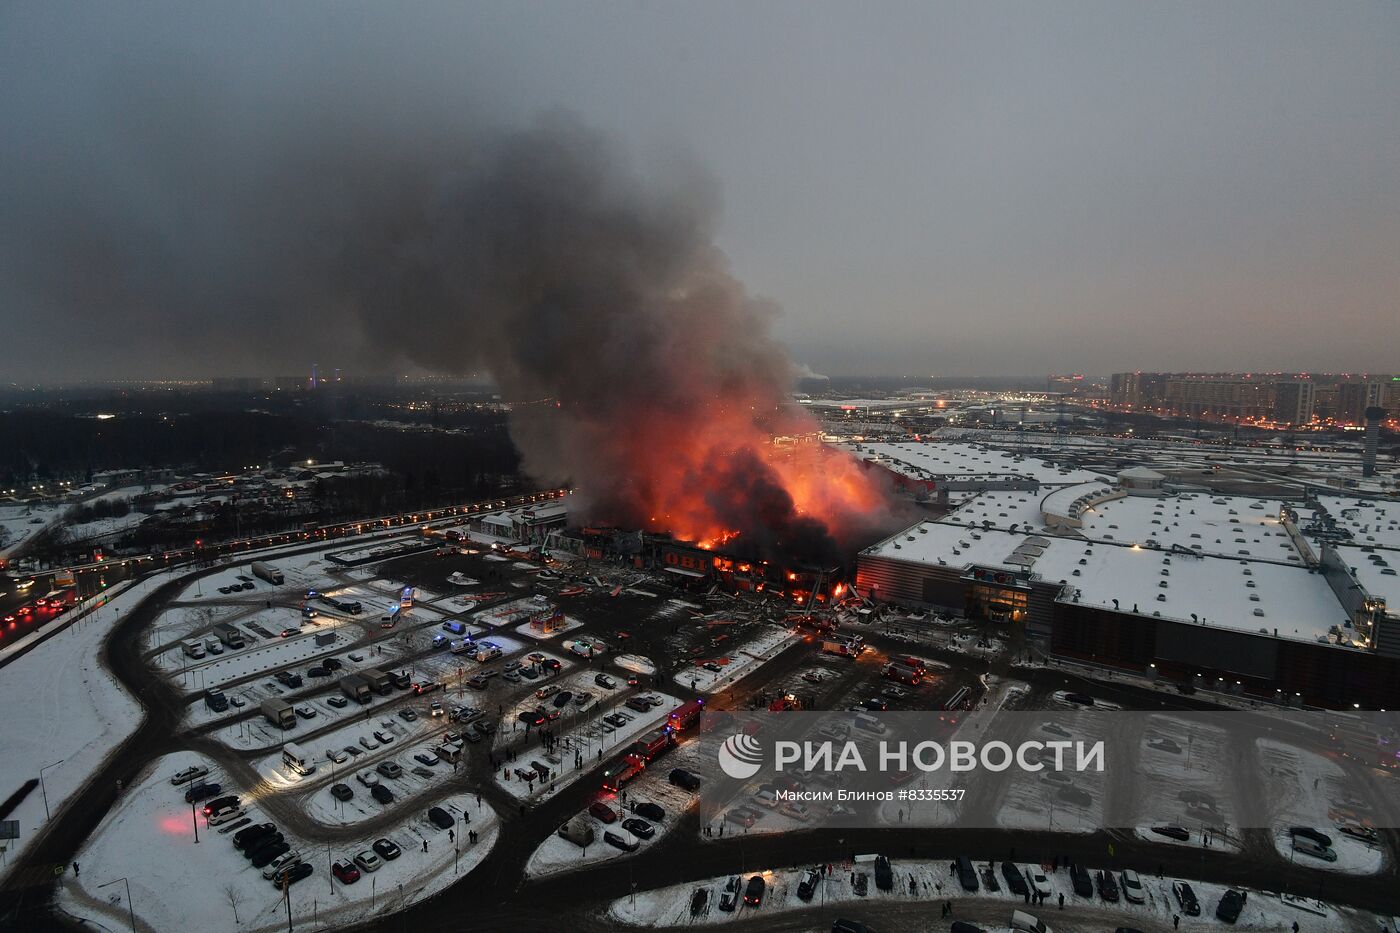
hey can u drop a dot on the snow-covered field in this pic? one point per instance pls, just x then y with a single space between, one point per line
931 881
73 712
178 885
745 660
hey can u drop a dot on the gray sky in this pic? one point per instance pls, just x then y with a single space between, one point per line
923 188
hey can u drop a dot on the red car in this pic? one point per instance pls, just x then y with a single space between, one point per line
345 872
603 812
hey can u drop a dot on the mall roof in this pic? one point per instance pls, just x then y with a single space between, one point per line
1242 595
939 460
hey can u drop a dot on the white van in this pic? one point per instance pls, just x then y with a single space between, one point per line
1310 847
194 649
213 646
1020 920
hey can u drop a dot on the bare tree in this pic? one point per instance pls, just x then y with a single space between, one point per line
231 891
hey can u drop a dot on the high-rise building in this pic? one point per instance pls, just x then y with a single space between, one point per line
1293 401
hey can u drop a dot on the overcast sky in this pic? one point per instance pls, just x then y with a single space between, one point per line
923 188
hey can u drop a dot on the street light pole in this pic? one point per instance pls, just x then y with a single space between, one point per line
130 911
44 790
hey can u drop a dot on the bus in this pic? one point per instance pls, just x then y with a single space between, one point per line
297 758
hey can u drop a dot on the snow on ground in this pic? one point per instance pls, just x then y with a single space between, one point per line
557 854
745 660
530 630
75 712
588 740
666 907
193 675
18 522
1307 789
148 838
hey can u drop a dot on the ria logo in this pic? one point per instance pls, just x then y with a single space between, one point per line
740 756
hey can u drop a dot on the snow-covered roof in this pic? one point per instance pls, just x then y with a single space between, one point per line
1225 592
1378 570
943 460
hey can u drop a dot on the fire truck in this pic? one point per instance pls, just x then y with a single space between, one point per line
649 747
685 715
848 646
619 773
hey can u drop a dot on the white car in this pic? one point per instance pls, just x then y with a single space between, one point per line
1039 883
226 816
367 778
280 864
368 744
368 861
384 737
189 774
767 798
1132 888
338 757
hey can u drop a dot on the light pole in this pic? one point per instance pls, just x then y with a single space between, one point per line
43 789
130 911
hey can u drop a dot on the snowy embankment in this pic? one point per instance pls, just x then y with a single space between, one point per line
68 713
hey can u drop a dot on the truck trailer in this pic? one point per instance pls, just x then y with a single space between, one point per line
380 682
279 712
355 687
267 572
230 635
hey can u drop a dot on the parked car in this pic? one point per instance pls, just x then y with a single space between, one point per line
1231 903
729 897
256 845
604 681
188 774
753 891
1081 879
390 769
345 872
300 871
562 699
366 861
1108 888
267 853
338 702
408 714
650 811
808 885
1179 833
368 744
280 864
602 812
639 828
386 849
384 738
1186 899
252 834
219 804
202 792
1132 888
440 818
684 779
426 758
342 791
1015 881
225 816
306 712
339 757
381 793
621 839
367 778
